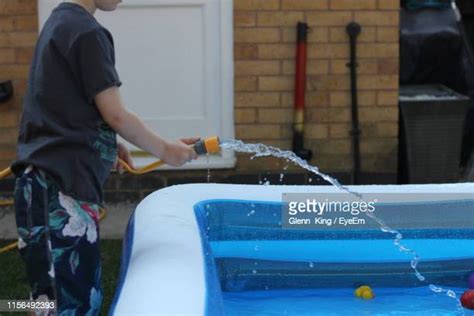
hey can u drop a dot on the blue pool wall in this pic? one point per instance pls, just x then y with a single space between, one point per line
214 300
229 220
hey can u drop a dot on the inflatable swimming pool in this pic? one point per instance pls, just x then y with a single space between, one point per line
220 249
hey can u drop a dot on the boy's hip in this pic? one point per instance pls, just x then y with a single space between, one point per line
40 202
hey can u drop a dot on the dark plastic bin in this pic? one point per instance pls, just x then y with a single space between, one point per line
431 129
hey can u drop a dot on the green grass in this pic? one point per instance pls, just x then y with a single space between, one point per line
14 285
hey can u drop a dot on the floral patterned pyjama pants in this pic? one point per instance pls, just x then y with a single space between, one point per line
58 241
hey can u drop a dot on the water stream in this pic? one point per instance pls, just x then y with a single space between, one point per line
261 150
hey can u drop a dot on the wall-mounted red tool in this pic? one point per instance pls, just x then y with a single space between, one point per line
300 89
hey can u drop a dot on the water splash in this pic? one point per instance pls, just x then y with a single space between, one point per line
261 150
208 169
450 293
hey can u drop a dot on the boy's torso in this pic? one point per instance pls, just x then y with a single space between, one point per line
62 131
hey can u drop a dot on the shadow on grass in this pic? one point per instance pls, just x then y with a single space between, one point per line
14 285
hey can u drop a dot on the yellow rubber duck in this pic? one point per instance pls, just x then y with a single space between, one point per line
364 292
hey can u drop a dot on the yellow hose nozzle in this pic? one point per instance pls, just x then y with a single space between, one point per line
210 145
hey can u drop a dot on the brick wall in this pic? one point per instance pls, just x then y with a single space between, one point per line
264 36
18 33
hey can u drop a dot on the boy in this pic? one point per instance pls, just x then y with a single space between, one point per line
66 148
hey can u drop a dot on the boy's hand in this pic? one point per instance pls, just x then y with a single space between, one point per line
180 152
124 154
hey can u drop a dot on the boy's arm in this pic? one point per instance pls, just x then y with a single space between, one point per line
131 128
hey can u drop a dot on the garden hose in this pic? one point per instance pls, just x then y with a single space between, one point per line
209 145
5 173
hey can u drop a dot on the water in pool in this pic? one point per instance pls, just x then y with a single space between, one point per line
419 301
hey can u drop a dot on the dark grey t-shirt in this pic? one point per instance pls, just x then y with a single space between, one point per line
61 129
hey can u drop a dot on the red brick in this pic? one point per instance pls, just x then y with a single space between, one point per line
379 50
276 51
387 98
328 51
24 55
328 82
257 99
328 115
245 83
379 146
380 162
275 115
256 4
14 71
389 4
245 18
245 51
343 99
304 4
316 131
20 86
339 130
280 83
7 154
245 115
18 7
257 67
280 18
25 23
313 99
7 56
377 18
328 18
18 39
256 35
388 34
353 4
388 67
379 82
261 131
8 136
9 119
372 114
330 146
374 129
6 24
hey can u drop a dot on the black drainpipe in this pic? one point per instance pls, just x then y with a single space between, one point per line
353 30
